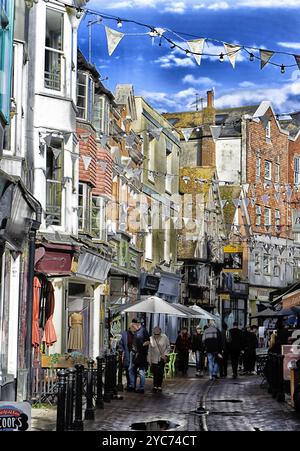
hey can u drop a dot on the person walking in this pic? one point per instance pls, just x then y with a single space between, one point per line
125 345
197 348
182 346
235 347
225 351
138 357
250 345
159 348
212 341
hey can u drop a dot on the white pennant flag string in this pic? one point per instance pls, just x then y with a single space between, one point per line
265 56
187 133
196 47
86 161
113 39
215 131
232 52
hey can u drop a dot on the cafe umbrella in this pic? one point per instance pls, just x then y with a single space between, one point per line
155 304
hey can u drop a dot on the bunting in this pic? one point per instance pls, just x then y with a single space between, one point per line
215 131
196 46
265 56
113 39
187 133
86 161
232 52
56 152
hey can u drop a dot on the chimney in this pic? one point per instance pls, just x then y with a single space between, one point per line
210 99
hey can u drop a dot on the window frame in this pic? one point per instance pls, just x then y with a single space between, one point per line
100 232
86 196
257 167
258 215
268 130
89 96
297 169
269 216
269 177
59 52
54 180
266 259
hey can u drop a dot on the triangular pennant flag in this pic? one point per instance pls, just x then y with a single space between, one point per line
66 137
187 133
196 46
56 152
223 203
236 202
215 131
104 140
113 39
265 56
155 132
297 59
74 156
232 51
246 187
86 161
289 192
130 140
264 120
265 198
186 220
103 165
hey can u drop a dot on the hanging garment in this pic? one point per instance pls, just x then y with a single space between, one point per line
49 336
35 312
75 340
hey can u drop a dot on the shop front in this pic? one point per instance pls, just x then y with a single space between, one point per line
169 289
19 220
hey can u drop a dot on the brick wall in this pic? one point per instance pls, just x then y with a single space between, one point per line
267 149
104 172
294 151
87 147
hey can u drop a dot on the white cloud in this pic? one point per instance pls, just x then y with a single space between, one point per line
176 7
290 45
172 60
247 84
201 81
183 5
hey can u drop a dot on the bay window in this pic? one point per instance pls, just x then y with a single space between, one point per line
85 96
98 218
101 115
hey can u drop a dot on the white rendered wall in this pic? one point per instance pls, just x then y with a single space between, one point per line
228 159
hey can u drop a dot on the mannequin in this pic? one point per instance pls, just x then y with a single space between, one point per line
75 340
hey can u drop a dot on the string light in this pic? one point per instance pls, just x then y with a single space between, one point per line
155 33
282 70
188 53
119 23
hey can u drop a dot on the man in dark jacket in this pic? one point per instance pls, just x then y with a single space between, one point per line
138 363
235 347
183 345
125 345
212 341
251 343
197 348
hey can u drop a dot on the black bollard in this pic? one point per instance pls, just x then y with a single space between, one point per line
89 413
70 399
107 394
99 399
120 371
78 423
280 393
61 400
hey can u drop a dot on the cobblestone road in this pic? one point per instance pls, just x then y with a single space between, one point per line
232 405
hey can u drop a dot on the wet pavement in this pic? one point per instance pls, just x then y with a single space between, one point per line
189 404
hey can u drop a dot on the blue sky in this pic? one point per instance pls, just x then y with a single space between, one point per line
169 80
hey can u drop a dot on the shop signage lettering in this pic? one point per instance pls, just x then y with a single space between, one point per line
15 416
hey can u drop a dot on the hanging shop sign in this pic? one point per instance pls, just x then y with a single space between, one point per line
92 266
15 416
54 259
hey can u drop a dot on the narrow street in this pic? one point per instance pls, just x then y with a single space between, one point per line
190 404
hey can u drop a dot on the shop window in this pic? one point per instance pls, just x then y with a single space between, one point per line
53 74
84 207
54 176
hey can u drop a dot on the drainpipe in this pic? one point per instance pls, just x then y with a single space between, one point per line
31 258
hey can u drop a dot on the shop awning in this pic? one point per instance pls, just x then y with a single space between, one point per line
55 259
92 267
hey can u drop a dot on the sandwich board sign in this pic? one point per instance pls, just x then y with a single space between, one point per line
15 416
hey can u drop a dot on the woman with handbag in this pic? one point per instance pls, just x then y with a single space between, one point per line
157 356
